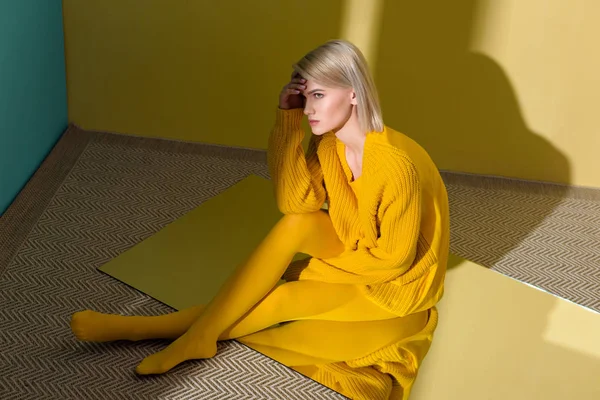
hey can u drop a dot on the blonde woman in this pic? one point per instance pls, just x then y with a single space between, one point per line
358 315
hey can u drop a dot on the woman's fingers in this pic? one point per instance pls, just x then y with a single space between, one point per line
289 96
296 86
298 80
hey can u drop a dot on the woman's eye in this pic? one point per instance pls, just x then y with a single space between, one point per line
319 95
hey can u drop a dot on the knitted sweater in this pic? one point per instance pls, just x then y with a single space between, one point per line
395 229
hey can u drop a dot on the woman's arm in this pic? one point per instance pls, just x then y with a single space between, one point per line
400 270
297 178
393 252
396 245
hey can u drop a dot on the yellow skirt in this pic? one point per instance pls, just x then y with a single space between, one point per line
361 360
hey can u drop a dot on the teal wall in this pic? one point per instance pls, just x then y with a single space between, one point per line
33 94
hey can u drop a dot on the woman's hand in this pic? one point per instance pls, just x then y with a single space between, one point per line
291 95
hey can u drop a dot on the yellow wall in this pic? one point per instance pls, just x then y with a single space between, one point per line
492 87
208 71
496 87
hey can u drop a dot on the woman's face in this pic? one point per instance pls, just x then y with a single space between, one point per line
327 109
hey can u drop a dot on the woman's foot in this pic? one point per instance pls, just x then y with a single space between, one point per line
187 347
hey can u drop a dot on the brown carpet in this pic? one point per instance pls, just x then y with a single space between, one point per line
94 197
98 194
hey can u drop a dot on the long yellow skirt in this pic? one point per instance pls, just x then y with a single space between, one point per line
361 360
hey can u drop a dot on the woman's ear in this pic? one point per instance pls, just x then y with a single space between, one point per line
353 100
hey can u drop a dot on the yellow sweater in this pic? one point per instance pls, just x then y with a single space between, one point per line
395 229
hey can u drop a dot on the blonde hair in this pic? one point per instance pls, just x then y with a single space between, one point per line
339 63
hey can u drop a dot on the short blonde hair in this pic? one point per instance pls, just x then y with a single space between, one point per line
339 63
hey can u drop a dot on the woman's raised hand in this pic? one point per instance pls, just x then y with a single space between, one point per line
291 95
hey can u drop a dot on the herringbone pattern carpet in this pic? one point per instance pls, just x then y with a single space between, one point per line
545 235
99 194
117 193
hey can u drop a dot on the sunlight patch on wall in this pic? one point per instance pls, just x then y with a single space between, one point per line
361 22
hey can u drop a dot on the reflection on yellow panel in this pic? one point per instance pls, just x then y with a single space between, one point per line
501 339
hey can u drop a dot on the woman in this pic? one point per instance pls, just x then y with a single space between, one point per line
358 315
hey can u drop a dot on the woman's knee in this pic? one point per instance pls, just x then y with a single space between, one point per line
315 233
306 221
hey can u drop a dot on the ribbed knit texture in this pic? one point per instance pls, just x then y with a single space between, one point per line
388 373
395 231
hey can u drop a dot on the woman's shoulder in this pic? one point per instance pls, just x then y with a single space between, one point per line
397 155
391 148
393 142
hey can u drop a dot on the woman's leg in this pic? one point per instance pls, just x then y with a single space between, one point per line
311 234
307 300
288 302
307 233
312 342
92 326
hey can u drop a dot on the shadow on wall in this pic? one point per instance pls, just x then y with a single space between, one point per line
460 106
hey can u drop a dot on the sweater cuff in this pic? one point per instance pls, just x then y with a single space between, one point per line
289 119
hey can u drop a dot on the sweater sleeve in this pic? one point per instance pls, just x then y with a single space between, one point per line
395 248
297 177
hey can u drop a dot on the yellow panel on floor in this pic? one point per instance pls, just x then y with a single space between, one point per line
499 338
186 262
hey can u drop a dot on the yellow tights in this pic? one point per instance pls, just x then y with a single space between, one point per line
249 302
